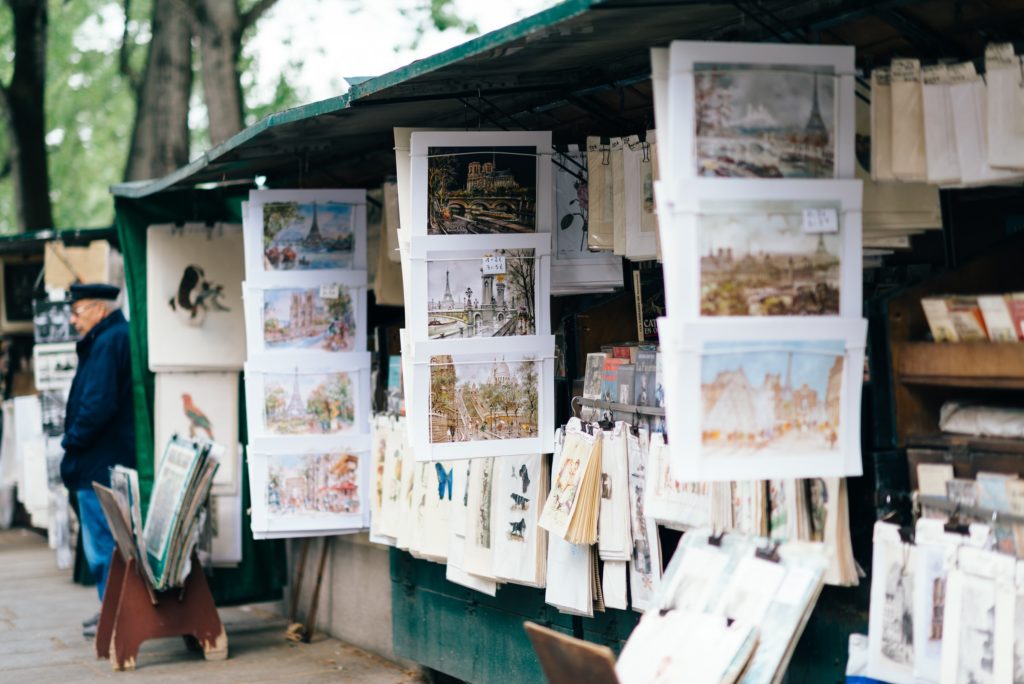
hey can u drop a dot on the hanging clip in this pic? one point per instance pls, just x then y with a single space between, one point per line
955 525
769 553
716 539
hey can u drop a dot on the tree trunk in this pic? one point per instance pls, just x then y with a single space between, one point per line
23 101
160 137
220 27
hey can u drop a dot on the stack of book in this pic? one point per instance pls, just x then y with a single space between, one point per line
975 318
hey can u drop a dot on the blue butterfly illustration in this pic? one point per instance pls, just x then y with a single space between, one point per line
444 481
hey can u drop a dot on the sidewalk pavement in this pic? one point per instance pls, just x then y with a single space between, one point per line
41 640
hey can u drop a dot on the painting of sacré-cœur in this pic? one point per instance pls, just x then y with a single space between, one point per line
482 401
302 318
757 260
764 121
308 235
481 190
781 396
313 484
308 403
481 294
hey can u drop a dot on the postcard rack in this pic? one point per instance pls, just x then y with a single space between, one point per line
133 613
978 512
622 408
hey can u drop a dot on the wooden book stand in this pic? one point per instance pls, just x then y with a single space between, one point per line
132 613
566 660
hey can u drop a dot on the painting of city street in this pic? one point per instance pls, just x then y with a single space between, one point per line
486 293
778 396
756 260
303 318
308 236
474 401
481 190
764 122
308 403
313 484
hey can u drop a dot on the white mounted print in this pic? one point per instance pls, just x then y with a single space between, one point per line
194 277
774 399
755 110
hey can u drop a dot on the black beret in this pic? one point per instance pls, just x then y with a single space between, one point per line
93 291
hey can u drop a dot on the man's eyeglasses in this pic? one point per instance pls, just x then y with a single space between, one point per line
78 309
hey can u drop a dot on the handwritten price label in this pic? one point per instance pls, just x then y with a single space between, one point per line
329 291
821 221
493 265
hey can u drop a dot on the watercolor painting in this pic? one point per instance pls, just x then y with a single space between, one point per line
489 293
764 121
757 260
300 236
481 190
309 318
784 396
308 403
313 485
483 401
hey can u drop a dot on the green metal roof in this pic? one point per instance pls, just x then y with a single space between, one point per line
32 242
579 68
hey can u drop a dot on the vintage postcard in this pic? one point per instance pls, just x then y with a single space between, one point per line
483 402
308 403
891 628
309 491
520 550
194 297
458 534
471 183
304 230
670 501
762 111
787 248
775 399
466 291
577 451
320 314
645 560
200 406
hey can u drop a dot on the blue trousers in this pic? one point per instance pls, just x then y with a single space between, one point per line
97 541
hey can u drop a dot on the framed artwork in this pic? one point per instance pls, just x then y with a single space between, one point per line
293 231
775 399
481 182
574 268
19 278
200 406
743 248
464 291
52 321
307 405
318 314
755 110
483 402
54 365
194 277
303 492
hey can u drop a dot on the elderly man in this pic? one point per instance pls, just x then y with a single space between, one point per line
99 429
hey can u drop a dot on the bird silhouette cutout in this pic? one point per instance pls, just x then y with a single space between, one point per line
196 296
197 420
524 475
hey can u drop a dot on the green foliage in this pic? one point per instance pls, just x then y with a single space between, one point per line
438 15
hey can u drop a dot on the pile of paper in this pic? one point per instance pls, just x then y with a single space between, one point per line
573 506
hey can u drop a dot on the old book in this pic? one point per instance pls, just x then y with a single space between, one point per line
967 320
625 383
649 299
995 312
571 509
936 311
932 478
610 379
1015 301
962 491
644 377
993 493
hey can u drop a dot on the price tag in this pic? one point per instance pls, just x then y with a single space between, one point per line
329 291
821 221
493 265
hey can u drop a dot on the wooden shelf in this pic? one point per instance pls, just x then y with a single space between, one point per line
987 365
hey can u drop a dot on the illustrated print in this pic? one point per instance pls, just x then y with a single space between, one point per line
784 396
524 475
764 122
197 420
196 296
308 403
566 485
898 615
976 657
300 236
519 502
313 484
444 481
306 318
481 190
518 530
572 201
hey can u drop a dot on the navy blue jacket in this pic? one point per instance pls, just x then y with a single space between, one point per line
99 430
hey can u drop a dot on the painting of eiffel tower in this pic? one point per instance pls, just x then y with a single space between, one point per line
300 403
304 236
765 122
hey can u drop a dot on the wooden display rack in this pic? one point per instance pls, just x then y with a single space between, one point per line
133 613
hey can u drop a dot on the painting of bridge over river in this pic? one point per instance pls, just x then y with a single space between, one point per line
474 401
481 293
481 190
764 122
780 396
756 260
305 236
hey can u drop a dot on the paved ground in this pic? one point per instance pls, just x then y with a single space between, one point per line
41 641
